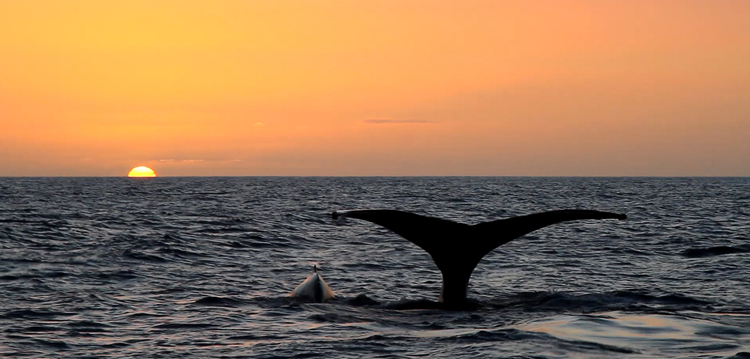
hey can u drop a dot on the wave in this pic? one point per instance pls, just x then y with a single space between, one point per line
219 301
714 251
34 314
557 302
184 326
617 300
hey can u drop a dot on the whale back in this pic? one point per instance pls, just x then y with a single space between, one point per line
314 288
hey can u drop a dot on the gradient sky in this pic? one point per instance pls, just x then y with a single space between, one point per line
380 87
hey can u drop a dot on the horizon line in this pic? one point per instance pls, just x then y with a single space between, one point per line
395 176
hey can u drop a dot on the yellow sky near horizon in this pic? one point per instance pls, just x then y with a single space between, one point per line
343 87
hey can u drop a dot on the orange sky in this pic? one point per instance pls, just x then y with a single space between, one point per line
381 87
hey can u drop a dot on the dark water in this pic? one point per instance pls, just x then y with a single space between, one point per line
202 267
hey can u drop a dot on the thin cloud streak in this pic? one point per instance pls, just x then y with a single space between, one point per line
387 121
181 161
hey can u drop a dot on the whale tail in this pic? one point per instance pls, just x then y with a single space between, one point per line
457 248
313 288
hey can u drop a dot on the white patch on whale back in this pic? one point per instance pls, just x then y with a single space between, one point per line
313 288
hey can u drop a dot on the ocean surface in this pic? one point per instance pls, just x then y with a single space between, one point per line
203 268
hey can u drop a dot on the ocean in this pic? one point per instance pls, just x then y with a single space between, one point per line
203 267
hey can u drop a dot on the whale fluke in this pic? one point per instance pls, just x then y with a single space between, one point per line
313 288
457 248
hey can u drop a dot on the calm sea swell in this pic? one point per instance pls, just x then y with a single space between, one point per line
201 267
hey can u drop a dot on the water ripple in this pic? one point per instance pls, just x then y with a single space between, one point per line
202 267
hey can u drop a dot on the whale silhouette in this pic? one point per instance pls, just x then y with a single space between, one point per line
457 248
313 288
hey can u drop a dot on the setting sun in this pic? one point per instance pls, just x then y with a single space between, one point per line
141 171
